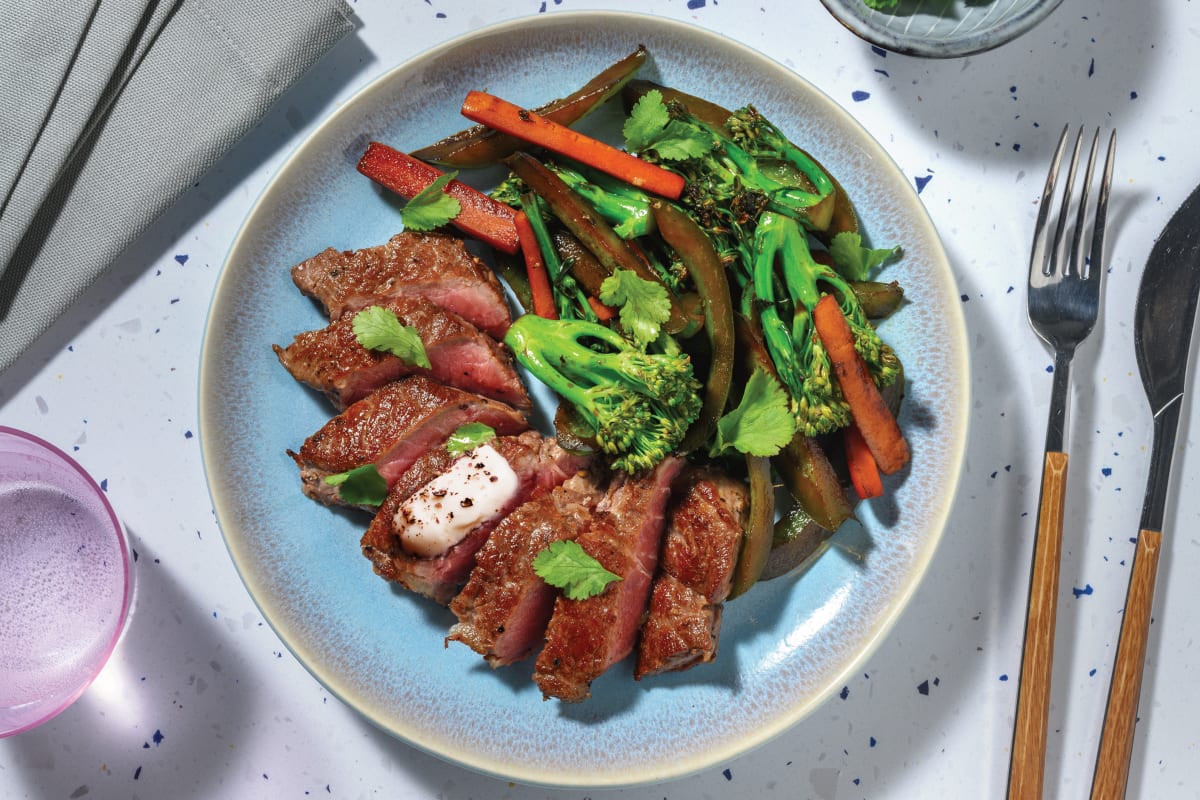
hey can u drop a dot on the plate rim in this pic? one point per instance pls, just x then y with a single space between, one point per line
691 764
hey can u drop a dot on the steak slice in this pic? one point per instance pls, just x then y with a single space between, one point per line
700 550
505 606
398 540
391 428
332 361
586 637
434 266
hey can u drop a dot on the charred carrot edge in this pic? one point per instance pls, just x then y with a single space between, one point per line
535 269
506 117
603 312
481 217
864 472
871 414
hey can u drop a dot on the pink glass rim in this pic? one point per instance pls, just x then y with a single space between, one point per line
58 454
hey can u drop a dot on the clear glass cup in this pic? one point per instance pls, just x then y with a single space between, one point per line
65 581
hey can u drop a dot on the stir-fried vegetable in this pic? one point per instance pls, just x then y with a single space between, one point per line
710 222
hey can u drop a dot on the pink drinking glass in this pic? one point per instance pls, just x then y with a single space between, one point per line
65 581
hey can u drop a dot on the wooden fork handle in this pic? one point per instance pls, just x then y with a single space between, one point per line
1116 739
1027 768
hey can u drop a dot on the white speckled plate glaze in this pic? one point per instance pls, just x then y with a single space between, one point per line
941 28
786 646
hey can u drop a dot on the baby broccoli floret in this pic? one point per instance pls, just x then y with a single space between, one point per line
782 260
639 404
733 172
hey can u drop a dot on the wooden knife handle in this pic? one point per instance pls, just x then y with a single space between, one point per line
1116 739
1028 765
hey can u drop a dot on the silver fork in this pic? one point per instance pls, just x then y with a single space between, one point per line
1064 304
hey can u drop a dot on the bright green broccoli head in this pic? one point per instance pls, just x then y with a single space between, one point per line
639 404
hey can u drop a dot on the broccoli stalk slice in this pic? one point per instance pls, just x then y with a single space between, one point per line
639 404
781 246
627 208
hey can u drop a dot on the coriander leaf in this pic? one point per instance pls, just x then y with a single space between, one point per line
567 566
761 424
431 207
378 328
680 141
360 486
647 120
650 127
468 437
855 261
644 304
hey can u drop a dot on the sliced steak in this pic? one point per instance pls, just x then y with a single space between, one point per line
391 428
586 637
700 550
332 361
440 512
433 266
504 607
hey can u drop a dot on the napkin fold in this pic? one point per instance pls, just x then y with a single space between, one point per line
111 110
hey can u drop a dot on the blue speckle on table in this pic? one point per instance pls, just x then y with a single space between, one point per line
1010 290
694 4
879 51
1004 677
181 258
728 775
844 693
1091 67
1092 672
873 742
137 773
1106 471
1087 589
104 484
858 95
883 72
964 298
1133 95
922 181
1049 368
157 737
923 688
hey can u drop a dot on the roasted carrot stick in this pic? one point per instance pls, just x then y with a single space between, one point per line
602 311
535 268
482 217
524 124
870 412
864 472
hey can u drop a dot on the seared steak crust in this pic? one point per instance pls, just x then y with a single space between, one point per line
332 361
434 266
505 606
540 465
392 427
700 549
586 637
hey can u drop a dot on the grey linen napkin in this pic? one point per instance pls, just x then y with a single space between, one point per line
109 110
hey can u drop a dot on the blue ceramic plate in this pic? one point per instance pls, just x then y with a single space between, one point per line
787 645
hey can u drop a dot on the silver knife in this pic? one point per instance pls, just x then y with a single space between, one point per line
1163 321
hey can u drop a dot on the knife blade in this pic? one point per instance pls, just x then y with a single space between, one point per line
1163 321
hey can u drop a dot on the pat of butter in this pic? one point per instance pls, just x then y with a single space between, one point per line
475 489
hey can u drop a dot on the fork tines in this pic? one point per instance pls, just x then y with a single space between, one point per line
1050 257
